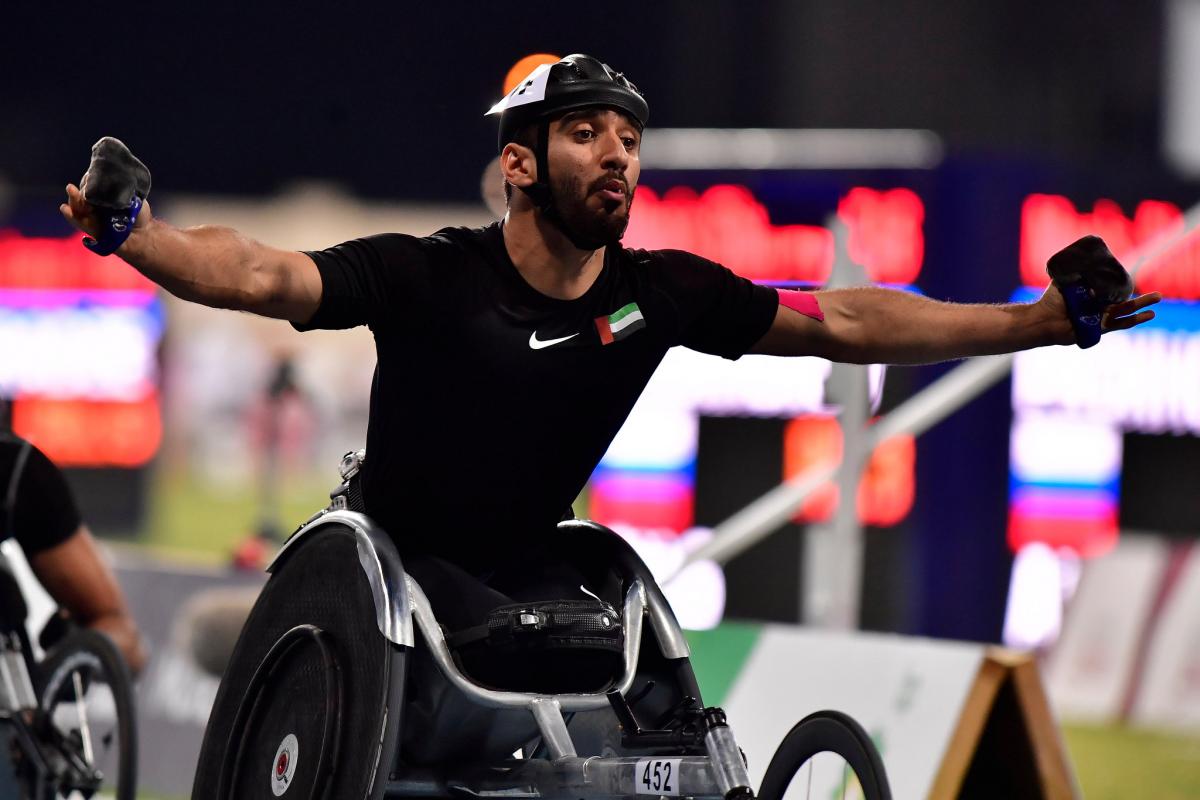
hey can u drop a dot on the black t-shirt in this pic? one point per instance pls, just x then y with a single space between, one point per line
491 402
36 506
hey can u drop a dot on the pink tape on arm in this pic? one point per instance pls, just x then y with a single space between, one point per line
802 302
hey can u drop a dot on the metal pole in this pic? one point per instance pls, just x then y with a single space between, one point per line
833 551
916 415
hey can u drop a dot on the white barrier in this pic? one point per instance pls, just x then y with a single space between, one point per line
935 709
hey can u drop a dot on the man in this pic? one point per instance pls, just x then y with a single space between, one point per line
509 356
39 511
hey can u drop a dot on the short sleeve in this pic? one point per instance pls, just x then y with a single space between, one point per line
44 513
365 281
720 313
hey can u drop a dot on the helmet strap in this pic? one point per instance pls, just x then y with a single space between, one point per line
543 196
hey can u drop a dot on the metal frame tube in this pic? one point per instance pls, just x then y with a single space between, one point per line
635 607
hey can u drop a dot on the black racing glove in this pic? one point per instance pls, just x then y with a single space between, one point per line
1090 279
115 185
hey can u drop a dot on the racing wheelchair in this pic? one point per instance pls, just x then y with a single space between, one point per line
343 684
67 721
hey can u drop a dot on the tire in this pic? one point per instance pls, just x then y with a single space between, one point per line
832 732
308 687
106 730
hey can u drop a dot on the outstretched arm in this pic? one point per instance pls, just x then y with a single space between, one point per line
872 325
212 265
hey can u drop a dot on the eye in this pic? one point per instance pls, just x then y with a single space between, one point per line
585 134
630 143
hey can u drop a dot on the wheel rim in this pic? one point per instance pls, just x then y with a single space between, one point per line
826 755
79 717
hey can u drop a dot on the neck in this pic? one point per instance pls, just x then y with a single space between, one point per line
547 259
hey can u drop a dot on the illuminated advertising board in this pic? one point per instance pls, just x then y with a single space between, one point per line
1071 407
79 336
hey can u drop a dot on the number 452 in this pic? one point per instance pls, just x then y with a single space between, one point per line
658 776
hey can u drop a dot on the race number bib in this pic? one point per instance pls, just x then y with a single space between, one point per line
657 776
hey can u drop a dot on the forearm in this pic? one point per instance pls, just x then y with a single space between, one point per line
76 576
211 265
872 325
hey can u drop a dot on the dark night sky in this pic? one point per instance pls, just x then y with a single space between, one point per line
388 98
391 101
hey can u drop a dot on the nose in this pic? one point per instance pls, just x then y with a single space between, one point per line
613 154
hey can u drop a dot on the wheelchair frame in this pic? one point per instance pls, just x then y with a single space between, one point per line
399 600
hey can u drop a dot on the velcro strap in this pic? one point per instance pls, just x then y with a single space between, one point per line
115 227
1085 314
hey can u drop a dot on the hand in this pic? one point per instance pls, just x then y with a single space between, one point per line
82 216
79 212
1126 315
1117 317
123 633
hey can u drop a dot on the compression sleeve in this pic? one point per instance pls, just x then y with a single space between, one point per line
368 281
719 312
44 513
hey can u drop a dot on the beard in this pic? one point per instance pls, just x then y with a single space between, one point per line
587 225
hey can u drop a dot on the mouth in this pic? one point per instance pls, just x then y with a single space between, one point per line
612 191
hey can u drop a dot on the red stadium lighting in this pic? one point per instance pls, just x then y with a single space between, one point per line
43 263
727 223
1050 222
886 492
91 433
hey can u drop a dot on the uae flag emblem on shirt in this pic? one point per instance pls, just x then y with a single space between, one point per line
621 323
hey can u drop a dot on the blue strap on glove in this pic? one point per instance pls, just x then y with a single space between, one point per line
117 225
116 185
1090 279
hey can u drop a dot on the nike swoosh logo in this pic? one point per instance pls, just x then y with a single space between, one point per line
537 344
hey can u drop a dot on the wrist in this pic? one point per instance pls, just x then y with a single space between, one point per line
1046 322
138 240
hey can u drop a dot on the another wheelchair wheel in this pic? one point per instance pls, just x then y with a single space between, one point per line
827 754
303 708
86 719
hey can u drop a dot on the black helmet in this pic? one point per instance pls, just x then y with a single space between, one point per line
577 81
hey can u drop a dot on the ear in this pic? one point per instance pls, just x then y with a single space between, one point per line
518 164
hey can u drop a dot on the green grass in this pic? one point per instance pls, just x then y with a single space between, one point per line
1119 763
201 521
204 521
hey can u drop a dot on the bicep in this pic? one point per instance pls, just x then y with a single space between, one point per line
290 286
820 325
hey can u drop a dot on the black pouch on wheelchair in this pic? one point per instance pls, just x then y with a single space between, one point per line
548 646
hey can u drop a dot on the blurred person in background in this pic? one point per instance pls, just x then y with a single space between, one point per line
38 510
510 355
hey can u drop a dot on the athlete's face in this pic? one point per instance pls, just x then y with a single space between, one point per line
594 170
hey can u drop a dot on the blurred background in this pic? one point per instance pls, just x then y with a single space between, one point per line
947 149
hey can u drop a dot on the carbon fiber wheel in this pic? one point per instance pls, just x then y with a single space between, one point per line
303 707
827 754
